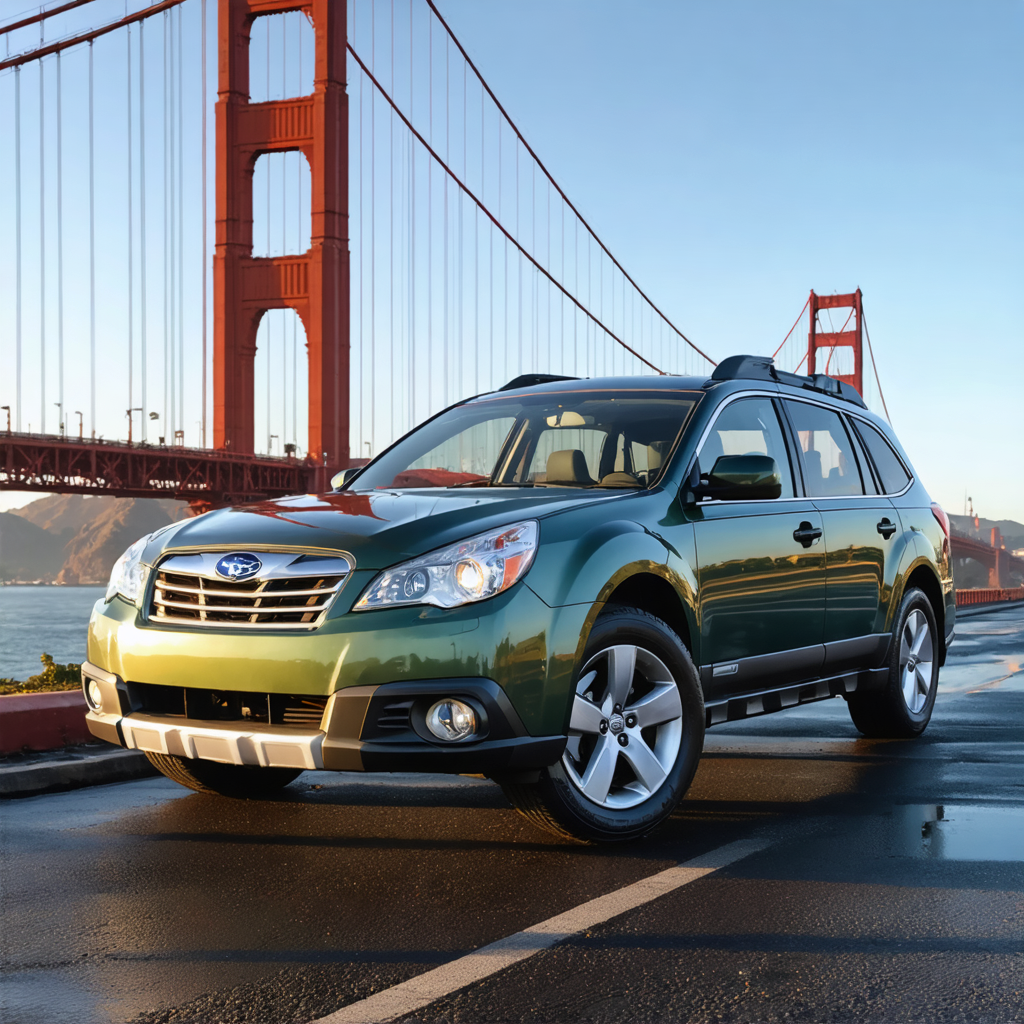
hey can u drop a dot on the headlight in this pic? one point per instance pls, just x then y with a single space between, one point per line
471 570
128 576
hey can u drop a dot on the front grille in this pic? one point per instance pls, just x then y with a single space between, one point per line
296 711
283 599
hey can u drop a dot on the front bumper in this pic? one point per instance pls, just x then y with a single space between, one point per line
528 648
359 731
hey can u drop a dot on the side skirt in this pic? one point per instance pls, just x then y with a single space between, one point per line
766 702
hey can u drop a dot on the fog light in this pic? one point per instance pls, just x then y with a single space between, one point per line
451 720
94 695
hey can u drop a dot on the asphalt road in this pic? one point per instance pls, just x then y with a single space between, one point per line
888 885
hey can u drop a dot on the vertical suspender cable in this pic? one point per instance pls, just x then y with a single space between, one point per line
460 386
519 268
181 242
92 257
373 230
295 319
131 288
17 237
412 244
447 159
266 315
171 238
430 211
476 230
392 333
202 100
362 260
143 255
284 241
42 244
163 260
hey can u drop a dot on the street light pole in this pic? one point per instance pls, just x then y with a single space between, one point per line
128 413
80 428
7 409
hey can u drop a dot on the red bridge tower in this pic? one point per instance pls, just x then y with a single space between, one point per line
853 339
316 283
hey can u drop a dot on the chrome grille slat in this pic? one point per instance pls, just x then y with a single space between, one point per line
238 609
284 599
182 589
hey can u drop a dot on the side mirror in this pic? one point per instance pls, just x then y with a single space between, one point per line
743 478
344 476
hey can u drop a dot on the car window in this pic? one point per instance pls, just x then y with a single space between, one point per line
826 452
749 426
891 471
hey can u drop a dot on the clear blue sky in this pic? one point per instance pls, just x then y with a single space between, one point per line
734 155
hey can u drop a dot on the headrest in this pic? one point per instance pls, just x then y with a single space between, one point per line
568 466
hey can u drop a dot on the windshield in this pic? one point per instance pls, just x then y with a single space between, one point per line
595 438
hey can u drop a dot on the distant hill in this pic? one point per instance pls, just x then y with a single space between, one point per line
74 538
28 552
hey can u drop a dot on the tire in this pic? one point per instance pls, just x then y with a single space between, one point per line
235 780
904 707
634 669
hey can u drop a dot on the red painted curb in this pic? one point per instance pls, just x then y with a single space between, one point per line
965 598
42 721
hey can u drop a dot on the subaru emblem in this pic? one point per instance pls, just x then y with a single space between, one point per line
239 565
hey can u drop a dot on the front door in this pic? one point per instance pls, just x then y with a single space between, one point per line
761 567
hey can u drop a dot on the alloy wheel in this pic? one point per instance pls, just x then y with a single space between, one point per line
625 729
916 660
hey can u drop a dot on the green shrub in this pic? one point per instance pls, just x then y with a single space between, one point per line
53 678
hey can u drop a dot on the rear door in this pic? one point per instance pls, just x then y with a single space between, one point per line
862 535
761 566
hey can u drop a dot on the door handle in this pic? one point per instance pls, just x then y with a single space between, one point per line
807 534
886 529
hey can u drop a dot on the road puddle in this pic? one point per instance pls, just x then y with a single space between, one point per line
958 832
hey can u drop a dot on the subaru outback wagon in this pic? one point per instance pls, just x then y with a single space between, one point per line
559 585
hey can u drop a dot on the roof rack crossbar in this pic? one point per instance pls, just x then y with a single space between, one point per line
528 380
747 367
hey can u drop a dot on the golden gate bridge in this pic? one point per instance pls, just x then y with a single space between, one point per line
385 241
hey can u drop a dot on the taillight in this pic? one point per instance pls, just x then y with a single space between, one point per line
943 521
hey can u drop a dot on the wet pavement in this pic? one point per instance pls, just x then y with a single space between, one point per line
890 887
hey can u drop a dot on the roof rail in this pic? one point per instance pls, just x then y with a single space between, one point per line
528 380
763 368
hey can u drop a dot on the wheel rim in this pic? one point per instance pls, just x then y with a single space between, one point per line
916 660
623 691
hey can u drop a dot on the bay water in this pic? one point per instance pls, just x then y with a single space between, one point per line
41 619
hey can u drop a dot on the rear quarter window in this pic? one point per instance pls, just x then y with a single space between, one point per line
891 472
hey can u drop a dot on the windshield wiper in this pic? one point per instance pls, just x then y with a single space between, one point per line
488 483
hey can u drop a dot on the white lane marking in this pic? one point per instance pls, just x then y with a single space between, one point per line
417 992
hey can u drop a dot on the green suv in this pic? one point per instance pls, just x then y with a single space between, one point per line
558 585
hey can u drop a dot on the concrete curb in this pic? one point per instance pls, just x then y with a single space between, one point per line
72 770
42 721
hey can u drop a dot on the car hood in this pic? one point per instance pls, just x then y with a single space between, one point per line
379 528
